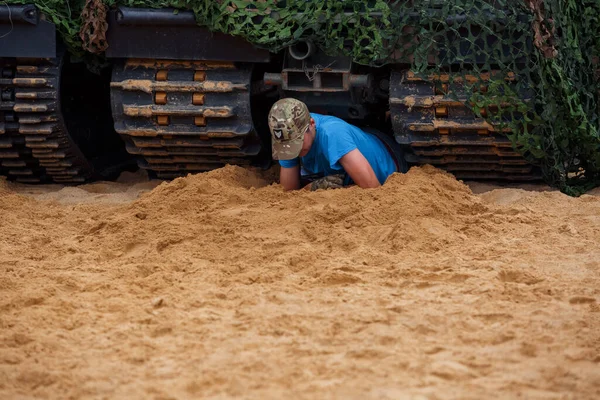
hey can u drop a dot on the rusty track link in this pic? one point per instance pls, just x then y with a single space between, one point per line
34 144
443 132
184 116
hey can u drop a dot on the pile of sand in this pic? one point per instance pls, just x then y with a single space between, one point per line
221 284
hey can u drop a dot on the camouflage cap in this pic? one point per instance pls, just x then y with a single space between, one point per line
288 121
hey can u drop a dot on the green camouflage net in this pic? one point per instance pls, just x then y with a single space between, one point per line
536 59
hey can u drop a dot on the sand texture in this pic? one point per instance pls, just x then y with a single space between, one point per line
220 285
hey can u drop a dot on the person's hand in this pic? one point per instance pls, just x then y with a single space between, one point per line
328 182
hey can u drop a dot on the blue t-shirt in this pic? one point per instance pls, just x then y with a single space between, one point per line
335 138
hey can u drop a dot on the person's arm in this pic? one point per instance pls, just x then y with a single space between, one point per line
342 153
359 169
290 177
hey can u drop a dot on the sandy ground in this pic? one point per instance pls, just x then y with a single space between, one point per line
222 286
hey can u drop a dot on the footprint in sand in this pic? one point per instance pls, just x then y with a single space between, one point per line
518 276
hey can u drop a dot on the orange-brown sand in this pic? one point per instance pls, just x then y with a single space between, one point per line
220 285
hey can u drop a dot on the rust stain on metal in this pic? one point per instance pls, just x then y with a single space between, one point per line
47 154
162 75
146 86
216 86
441 111
138 111
19 107
31 119
155 132
150 110
219 135
427 101
35 139
28 69
441 101
149 86
409 101
30 82
26 95
57 163
200 121
449 124
217 112
139 132
444 124
198 99
36 129
274 79
445 78
424 127
162 119
43 145
480 124
160 98
156 143
62 171
460 151
200 76
165 64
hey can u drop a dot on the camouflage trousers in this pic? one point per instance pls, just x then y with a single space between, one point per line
328 182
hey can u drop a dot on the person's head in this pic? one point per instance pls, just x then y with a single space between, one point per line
292 129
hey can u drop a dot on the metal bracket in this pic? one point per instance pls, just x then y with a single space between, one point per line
165 34
24 34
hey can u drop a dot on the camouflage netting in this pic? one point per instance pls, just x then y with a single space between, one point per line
540 53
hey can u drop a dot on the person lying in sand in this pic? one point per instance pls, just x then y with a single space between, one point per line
339 154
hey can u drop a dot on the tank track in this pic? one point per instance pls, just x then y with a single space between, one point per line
441 131
35 146
183 117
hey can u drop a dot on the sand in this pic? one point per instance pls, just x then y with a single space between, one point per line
220 285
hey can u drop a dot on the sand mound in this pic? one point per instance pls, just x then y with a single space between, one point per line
594 192
10 198
3 187
424 209
222 285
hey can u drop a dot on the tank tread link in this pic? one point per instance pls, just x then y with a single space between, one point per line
34 144
440 130
184 116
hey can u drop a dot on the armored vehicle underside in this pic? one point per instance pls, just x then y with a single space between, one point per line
186 100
